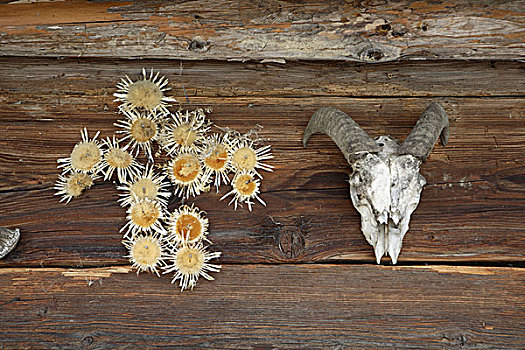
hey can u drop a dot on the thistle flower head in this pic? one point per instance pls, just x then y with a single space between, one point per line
245 187
185 172
145 94
144 216
73 184
187 224
118 159
186 130
189 262
140 129
85 157
146 252
146 186
245 156
215 158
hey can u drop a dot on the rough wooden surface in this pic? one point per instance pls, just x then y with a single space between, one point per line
369 31
38 78
474 193
298 273
266 307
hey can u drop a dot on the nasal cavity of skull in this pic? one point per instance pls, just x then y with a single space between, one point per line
380 141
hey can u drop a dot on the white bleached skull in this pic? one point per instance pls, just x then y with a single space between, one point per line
385 184
8 240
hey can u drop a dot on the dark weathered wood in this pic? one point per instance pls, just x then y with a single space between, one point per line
468 55
471 210
488 135
275 30
461 222
96 77
266 307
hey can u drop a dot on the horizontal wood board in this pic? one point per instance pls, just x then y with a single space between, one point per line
265 307
475 184
367 31
34 78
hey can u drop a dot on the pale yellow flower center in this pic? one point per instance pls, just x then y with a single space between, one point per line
118 158
184 135
189 260
144 188
85 156
145 94
245 158
76 183
144 214
143 129
146 251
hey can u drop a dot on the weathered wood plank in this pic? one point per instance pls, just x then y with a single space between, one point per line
358 31
488 134
97 77
471 210
464 223
264 307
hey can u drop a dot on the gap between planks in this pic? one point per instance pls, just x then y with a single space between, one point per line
107 271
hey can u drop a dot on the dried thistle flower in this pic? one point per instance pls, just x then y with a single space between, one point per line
146 252
185 130
245 187
196 160
146 186
145 94
215 159
119 159
187 224
185 172
144 216
244 156
73 185
189 262
85 157
140 129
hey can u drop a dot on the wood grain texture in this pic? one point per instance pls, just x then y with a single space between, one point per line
297 273
266 307
25 78
367 31
471 209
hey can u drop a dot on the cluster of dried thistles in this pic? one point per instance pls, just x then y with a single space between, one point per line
155 238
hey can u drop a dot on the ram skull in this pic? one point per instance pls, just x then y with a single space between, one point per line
8 240
385 184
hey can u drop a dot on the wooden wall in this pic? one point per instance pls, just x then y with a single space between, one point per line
298 273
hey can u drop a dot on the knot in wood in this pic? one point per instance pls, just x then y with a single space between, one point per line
369 51
87 342
291 242
199 45
372 55
383 29
456 339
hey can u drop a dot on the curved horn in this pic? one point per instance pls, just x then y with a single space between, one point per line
343 130
432 123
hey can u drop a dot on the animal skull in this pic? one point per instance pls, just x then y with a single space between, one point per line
8 240
385 184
